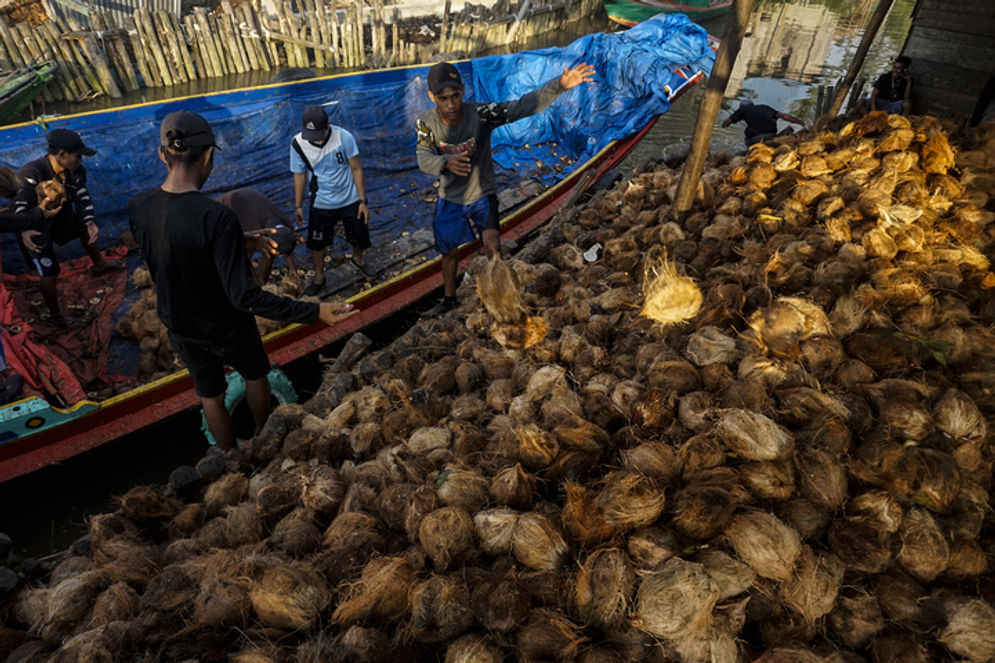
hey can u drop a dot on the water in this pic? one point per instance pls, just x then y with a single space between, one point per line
791 48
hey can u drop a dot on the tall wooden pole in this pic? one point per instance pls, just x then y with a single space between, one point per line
858 59
710 105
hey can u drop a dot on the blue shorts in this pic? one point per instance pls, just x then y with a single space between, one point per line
893 107
456 224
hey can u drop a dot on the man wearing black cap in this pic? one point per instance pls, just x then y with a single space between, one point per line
75 220
330 156
206 295
454 144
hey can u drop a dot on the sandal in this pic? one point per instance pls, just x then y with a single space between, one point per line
107 266
313 289
368 270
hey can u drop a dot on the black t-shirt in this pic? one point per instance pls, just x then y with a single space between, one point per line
196 256
891 88
760 119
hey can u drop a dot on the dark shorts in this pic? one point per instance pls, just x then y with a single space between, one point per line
456 224
63 228
321 227
206 361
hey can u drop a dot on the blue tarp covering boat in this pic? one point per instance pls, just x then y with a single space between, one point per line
639 73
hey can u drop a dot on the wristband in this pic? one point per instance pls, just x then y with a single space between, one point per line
363 201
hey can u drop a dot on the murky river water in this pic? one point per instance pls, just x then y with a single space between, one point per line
791 48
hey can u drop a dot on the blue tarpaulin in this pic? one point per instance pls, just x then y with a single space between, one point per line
634 72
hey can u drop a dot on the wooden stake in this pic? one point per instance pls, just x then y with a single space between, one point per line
143 19
181 39
51 50
145 68
710 105
196 48
360 34
23 33
67 63
395 42
205 35
445 26
324 34
76 49
281 14
334 31
858 58
170 46
233 36
100 67
314 32
250 35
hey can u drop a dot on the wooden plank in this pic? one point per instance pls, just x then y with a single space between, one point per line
184 44
100 66
250 35
23 32
117 56
196 48
333 32
204 34
148 70
942 46
233 36
291 52
216 32
143 19
63 75
256 36
324 32
67 63
171 47
83 64
314 31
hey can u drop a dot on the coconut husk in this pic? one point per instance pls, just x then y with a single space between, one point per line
781 326
668 297
967 560
789 655
650 547
604 588
277 499
447 535
709 345
821 478
495 528
812 590
860 543
513 487
536 448
753 436
903 600
380 594
289 596
500 604
702 512
187 521
222 601
957 416
119 602
731 577
356 643
349 542
924 552
537 543
462 487
805 517
694 411
629 500
970 629
764 542
127 560
440 609
675 600
674 375
549 635
856 619
928 476
700 453
896 646
106 526
69 567
297 534
583 518
322 490
653 459
172 588
473 648
143 503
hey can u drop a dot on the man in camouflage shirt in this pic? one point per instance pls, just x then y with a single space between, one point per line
454 144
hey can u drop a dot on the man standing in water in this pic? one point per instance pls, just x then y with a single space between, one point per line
761 121
454 144
206 294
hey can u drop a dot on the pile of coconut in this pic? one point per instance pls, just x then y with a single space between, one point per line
140 323
759 434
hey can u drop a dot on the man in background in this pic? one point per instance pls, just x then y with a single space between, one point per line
761 121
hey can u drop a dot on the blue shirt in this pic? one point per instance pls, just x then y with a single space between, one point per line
336 187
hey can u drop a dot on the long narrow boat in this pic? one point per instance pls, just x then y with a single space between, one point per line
631 12
640 73
19 87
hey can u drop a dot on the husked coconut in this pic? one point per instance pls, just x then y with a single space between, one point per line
970 630
495 528
813 588
440 609
675 599
473 648
668 297
709 345
731 577
549 635
290 596
752 435
380 594
764 542
537 543
604 588
446 534
924 552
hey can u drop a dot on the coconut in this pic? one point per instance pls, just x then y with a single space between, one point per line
860 542
173 588
731 577
782 325
821 478
422 502
536 448
440 609
967 560
765 543
446 534
143 503
119 602
223 601
322 490
903 600
537 543
813 588
473 648
629 500
69 567
357 643
856 618
929 476
957 416
700 453
752 435
806 518
668 297
289 596
187 521
970 630
126 560
768 480
924 552
276 499
702 512
652 459
604 588
380 594
549 635
297 534
675 599
462 487
494 528
896 646
582 518
513 487
789 655
242 525
649 547
694 411
106 526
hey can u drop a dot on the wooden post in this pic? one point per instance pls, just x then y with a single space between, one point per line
63 76
216 29
360 34
247 39
207 39
170 46
143 19
858 58
76 49
443 31
281 14
116 52
226 17
395 39
510 37
298 30
314 28
96 56
66 61
710 105
144 66
196 48
30 46
183 43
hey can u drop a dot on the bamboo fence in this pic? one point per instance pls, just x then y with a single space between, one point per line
157 48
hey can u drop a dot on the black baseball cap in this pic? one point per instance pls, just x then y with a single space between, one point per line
68 140
285 237
182 129
314 123
443 75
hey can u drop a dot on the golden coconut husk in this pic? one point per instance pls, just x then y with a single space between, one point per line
826 210
604 588
812 590
924 552
297 534
653 459
446 534
513 487
957 416
549 635
499 395
668 297
822 356
709 345
781 326
351 539
365 440
880 506
322 489
702 512
896 646
970 629
706 645
187 521
289 596
764 542
106 526
276 499
143 503
807 518
473 648
936 154
392 504
500 604
567 257
537 543
440 609
760 153
675 599
423 501
381 593
628 500
768 480
929 476
821 478
752 435
785 161
967 560
809 191
731 577
649 547
119 602
494 528
462 487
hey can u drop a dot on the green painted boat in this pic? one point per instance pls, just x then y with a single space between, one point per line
19 87
630 12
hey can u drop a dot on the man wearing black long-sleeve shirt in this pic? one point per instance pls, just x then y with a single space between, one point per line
207 298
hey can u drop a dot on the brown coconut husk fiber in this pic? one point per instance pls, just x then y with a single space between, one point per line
473 648
447 536
549 635
537 543
289 596
764 542
380 594
440 609
970 630
675 600
812 590
604 588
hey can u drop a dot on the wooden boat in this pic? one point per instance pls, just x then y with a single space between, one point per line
34 433
19 87
631 12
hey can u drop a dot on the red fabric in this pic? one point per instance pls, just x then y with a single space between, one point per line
67 357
